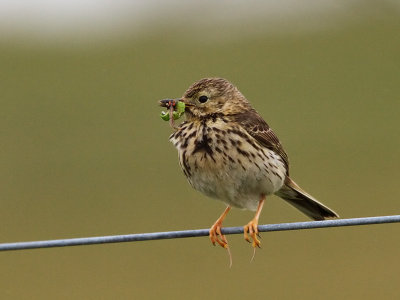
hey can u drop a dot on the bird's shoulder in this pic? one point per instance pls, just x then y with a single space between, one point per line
258 128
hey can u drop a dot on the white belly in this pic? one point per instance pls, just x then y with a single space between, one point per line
235 185
227 167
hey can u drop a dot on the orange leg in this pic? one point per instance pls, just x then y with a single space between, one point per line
216 235
252 227
215 231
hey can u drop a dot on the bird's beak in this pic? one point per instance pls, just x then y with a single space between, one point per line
186 101
168 102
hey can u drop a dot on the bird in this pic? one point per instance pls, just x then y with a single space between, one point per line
228 152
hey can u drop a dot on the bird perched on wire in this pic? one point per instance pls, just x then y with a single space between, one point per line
228 152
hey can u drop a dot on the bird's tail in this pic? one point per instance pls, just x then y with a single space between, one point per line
295 196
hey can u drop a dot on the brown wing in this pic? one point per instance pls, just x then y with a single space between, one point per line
255 125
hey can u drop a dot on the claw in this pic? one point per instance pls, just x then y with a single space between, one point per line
246 236
252 230
216 235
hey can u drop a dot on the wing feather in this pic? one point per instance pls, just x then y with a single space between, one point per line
255 125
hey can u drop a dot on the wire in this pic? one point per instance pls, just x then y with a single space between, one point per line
195 233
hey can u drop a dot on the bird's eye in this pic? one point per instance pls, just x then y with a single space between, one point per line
203 99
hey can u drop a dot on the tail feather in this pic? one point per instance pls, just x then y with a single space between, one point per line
304 202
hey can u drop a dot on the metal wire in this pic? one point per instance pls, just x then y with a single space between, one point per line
194 233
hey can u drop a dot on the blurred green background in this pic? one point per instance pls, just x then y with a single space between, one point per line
83 152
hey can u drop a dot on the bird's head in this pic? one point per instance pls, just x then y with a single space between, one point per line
213 95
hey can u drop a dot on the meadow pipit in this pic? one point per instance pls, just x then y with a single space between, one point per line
228 152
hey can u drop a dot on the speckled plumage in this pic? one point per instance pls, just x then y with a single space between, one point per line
223 161
228 152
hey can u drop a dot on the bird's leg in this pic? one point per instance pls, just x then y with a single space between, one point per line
252 227
217 236
215 231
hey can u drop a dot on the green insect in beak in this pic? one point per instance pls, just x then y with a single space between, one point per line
180 109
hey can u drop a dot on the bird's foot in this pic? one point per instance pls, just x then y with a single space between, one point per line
216 235
252 229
